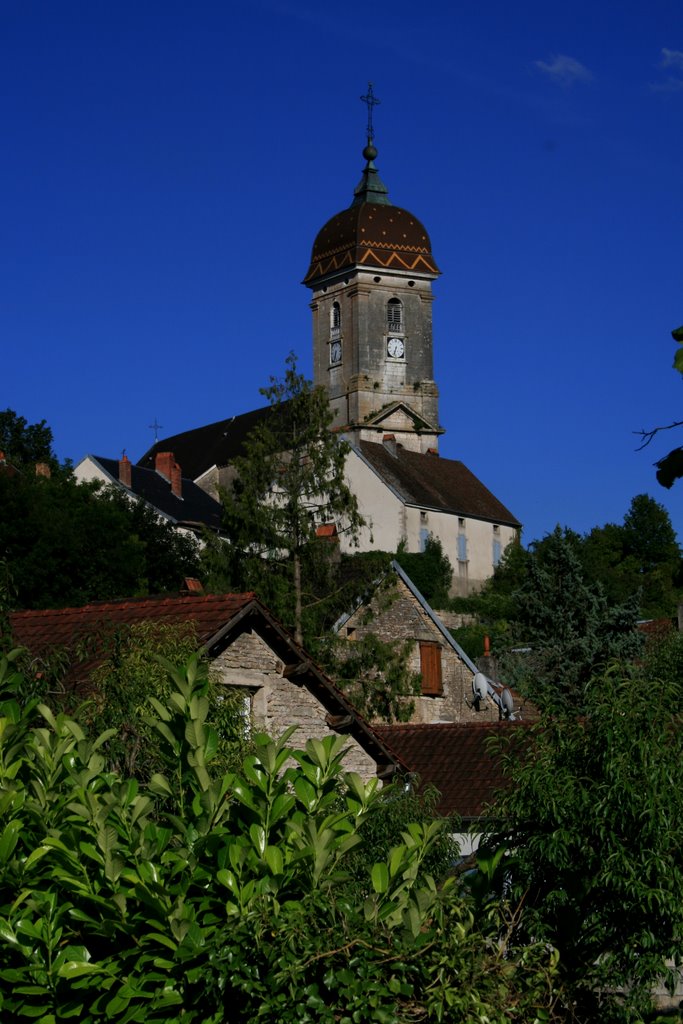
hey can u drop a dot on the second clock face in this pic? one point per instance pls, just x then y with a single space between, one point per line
395 348
335 352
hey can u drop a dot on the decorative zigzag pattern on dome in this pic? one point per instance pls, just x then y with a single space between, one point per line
365 244
371 257
395 257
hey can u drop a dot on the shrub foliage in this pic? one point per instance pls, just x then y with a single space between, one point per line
198 898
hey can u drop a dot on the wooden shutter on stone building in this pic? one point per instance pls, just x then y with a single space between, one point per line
430 667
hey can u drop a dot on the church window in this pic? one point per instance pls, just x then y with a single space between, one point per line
424 537
335 319
430 668
462 547
395 315
496 552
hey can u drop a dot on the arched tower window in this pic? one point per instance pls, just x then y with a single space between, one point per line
395 315
335 320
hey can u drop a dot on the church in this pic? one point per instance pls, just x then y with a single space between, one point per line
370 275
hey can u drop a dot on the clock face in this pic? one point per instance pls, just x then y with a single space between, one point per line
335 352
395 348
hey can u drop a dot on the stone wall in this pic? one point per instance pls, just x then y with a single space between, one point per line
395 616
277 703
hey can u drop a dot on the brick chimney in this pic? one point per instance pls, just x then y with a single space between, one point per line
176 480
191 586
163 462
166 465
125 471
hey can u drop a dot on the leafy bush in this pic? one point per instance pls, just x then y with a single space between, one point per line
430 570
202 899
133 670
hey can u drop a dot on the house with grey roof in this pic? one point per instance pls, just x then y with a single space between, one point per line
207 453
174 497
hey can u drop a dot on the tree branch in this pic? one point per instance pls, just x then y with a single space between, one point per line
648 435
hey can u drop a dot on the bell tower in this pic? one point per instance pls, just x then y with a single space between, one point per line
371 276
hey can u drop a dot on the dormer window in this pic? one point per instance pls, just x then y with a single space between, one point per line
395 315
335 320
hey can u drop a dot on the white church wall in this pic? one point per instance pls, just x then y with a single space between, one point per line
472 545
382 510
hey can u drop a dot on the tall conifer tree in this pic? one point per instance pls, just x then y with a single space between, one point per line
289 483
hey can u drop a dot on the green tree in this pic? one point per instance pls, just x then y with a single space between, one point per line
494 607
375 675
639 558
650 541
430 570
569 625
593 822
133 671
289 482
649 535
604 559
25 444
633 564
663 658
66 543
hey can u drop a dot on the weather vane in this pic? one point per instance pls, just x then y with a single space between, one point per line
156 427
371 101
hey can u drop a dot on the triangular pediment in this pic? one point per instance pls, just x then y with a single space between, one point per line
399 416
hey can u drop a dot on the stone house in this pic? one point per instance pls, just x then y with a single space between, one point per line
397 612
247 648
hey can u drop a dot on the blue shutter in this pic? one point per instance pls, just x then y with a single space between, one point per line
424 537
496 552
462 547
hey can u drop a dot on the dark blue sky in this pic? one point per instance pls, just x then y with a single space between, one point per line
165 167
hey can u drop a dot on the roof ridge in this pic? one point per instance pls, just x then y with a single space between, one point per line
127 602
425 726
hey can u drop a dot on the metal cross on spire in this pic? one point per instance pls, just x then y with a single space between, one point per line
156 427
371 101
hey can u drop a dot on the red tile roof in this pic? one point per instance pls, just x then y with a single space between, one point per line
213 616
38 630
458 759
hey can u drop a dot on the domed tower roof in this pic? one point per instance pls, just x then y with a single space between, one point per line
371 233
